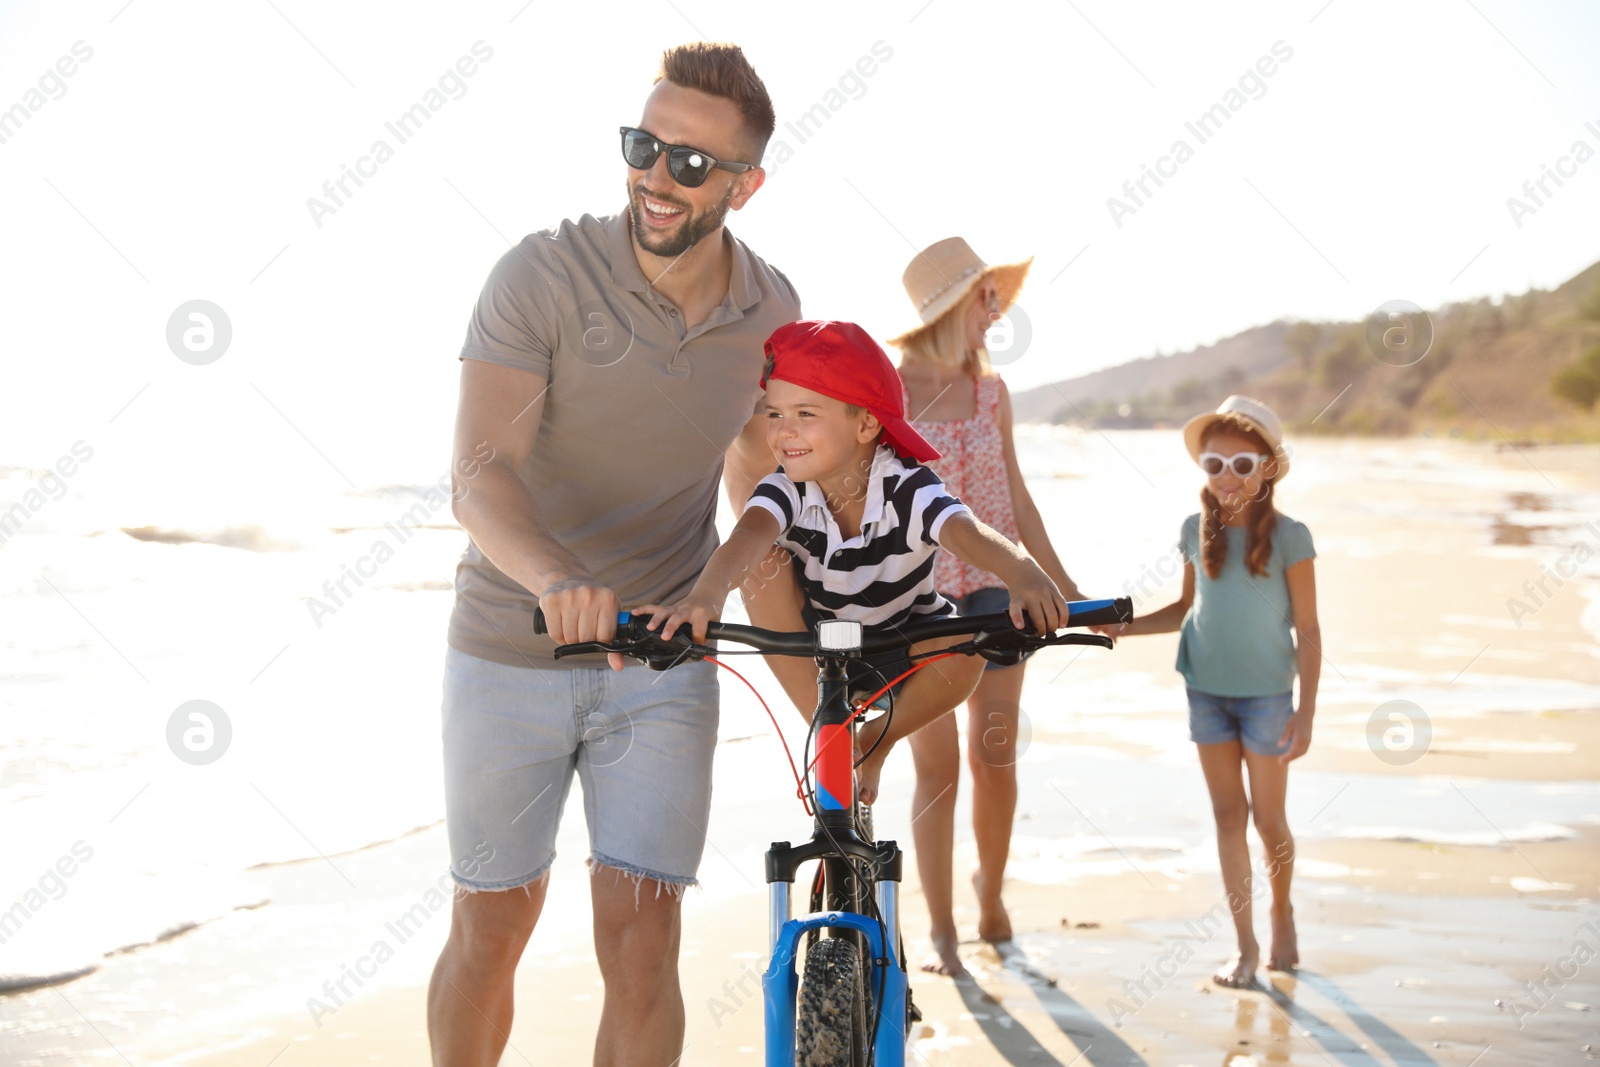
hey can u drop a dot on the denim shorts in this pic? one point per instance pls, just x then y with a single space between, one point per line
1255 722
640 741
988 601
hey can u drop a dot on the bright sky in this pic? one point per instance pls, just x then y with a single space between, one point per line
175 163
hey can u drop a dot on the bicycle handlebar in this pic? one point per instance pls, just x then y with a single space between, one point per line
991 631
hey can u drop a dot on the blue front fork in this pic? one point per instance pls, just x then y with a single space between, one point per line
780 984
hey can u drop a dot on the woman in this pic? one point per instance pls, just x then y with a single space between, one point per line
956 401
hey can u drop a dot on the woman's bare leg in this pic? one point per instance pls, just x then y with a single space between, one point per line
993 740
935 750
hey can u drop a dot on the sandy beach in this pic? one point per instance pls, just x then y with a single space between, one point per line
1446 891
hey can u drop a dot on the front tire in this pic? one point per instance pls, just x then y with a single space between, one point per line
831 1022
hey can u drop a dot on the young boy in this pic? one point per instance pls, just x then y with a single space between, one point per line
861 521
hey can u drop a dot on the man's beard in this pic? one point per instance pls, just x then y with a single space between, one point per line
691 230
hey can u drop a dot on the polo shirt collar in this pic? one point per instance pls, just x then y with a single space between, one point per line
742 287
743 291
625 270
884 462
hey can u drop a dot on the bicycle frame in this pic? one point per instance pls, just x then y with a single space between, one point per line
833 840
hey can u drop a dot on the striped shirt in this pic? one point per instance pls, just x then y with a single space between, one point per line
883 576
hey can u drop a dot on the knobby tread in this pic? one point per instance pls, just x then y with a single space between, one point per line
830 1021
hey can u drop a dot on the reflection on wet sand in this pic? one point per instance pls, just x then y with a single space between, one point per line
1245 1015
1286 1019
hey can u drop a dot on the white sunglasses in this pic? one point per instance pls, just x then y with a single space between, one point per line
1242 464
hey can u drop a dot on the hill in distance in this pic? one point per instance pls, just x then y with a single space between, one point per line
1526 368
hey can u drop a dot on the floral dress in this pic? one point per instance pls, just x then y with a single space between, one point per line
972 465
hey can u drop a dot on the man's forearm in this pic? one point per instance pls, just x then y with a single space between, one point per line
500 516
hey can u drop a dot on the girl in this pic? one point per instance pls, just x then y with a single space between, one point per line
956 401
1253 584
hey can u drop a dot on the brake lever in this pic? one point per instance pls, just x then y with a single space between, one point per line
1001 641
1001 647
1081 639
657 652
580 648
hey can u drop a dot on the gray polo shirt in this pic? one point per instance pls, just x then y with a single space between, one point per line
628 461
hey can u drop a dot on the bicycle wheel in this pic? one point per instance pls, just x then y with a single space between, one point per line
831 1022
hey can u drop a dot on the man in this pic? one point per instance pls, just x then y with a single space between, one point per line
611 367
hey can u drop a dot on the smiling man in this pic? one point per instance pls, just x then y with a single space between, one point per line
611 370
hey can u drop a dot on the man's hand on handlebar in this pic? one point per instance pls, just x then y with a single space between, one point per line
697 609
581 609
1033 591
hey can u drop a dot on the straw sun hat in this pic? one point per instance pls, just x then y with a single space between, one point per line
1254 413
941 276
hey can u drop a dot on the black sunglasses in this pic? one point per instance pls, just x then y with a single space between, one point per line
689 167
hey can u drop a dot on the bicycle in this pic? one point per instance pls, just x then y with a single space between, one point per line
852 1007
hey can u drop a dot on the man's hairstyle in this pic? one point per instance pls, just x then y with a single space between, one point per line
722 70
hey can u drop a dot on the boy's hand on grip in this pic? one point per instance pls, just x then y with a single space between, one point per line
1035 593
697 611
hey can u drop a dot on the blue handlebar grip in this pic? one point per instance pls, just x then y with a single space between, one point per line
1099 612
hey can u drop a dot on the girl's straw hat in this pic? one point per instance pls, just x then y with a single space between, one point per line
942 275
1257 415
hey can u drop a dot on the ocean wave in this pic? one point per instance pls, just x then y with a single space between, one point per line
399 491
15 980
1531 832
313 854
409 526
1079 857
250 538
86 925
1538 885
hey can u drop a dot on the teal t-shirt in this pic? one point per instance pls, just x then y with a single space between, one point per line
1235 640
